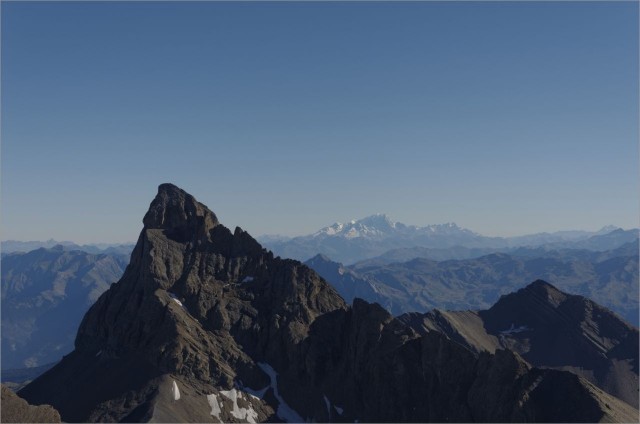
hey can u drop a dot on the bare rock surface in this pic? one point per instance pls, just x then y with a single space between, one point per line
17 410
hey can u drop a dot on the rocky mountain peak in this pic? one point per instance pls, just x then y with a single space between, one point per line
320 260
552 328
544 289
607 229
379 220
179 214
536 296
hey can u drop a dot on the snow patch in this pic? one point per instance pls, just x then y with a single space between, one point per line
215 406
328 404
284 412
240 413
514 330
175 298
247 279
175 391
374 226
534 384
352 233
330 231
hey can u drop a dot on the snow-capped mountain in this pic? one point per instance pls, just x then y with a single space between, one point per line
371 236
380 226
374 235
375 226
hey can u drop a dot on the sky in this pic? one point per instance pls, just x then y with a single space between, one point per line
506 118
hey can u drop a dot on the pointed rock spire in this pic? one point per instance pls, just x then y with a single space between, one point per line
179 214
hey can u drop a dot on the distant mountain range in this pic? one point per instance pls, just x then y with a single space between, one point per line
616 243
400 285
206 325
413 279
45 293
17 378
420 284
374 235
10 246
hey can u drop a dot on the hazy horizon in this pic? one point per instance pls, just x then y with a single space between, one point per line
505 118
133 240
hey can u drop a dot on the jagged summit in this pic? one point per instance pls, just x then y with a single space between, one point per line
321 258
179 213
183 219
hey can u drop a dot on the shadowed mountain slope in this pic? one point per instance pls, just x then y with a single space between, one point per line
549 328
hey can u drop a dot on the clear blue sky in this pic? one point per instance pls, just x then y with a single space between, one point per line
283 118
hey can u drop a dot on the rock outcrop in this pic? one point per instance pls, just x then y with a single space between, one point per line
17 410
206 325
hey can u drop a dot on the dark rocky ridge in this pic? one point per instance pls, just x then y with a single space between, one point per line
552 329
205 310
